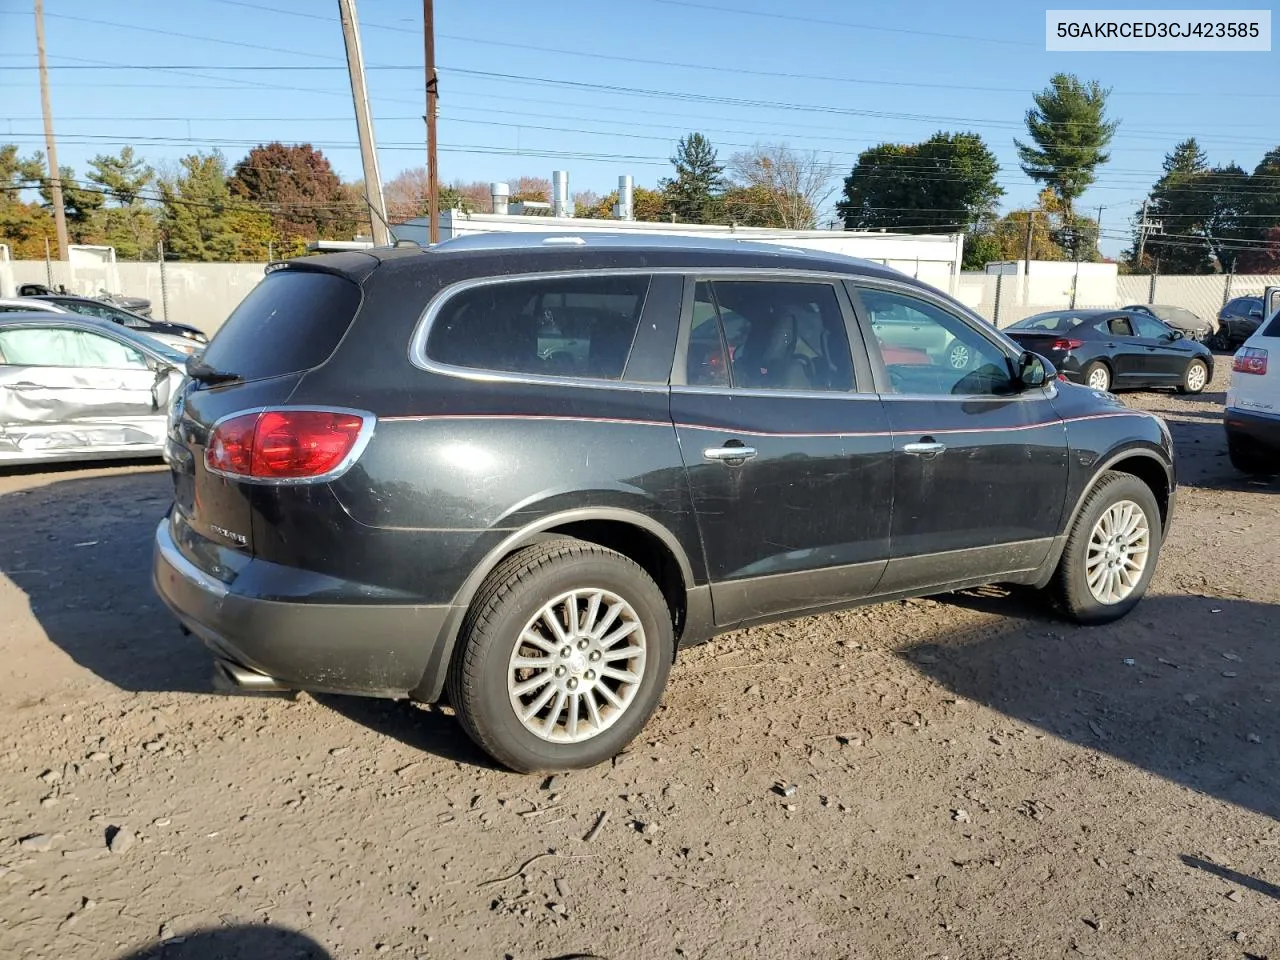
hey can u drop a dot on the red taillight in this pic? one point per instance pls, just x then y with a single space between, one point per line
1250 360
283 444
1065 344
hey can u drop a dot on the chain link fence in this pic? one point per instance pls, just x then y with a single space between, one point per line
1005 299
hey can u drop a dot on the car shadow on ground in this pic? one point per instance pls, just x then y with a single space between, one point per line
80 549
248 942
1185 687
431 729
1200 449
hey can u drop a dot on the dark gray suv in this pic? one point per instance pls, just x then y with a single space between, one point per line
521 473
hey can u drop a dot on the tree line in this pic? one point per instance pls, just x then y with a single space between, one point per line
1199 218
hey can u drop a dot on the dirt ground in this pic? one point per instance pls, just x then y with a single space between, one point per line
974 779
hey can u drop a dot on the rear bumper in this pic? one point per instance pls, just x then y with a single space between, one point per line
1258 429
371 649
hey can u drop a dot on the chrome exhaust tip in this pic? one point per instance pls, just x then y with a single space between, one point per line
233 677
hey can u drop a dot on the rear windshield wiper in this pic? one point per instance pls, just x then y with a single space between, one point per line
203 373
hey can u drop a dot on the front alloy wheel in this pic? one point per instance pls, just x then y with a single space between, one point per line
1118 549
1111 551
959 356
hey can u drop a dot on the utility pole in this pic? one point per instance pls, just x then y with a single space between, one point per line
1098 240
1031 216
364 125
1143 226
55 175
433 169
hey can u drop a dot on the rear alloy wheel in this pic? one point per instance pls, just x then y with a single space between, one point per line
1111 551
959 356
1098 376
562 658
1195 378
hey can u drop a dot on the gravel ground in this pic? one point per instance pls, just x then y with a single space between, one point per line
973 779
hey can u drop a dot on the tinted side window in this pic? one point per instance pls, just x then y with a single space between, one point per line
769 335
930 351
1120 327
563 327
290 322
1150 329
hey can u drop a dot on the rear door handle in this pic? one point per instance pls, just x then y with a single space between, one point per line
729 453
925 448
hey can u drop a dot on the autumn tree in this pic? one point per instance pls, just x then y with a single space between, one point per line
535 189
946 183
1005 238
796 183
699 179
24 225
647 205
1070 133
1265 258
297 185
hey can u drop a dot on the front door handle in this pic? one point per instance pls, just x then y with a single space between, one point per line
729 453
925 448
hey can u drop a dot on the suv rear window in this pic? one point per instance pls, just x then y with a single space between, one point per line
290 322
553 326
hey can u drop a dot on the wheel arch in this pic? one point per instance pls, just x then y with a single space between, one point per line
1141 462
641 538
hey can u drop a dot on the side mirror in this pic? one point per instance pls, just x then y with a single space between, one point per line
1033 371
1255 313
1173 335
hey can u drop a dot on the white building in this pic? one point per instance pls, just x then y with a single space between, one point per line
933 258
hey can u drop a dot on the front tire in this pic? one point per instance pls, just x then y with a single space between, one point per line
1111 551
562 658
1195 378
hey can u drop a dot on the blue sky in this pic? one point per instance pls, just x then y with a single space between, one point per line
519 97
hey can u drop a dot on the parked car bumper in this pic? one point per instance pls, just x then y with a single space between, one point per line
285 642
1258 430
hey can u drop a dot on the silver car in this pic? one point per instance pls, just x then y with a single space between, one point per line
1180 318
78 388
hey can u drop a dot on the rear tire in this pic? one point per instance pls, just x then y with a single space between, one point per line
1111 551
1247 459
1195 378
540 602
1097 375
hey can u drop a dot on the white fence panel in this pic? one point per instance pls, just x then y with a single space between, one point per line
202 294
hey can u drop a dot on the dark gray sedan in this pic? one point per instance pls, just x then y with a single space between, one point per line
77 388
1114 349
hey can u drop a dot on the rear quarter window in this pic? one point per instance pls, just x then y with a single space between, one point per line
290 322
577 327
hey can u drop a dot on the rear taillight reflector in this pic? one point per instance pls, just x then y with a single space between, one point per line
1064 344
1250 360
285 444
